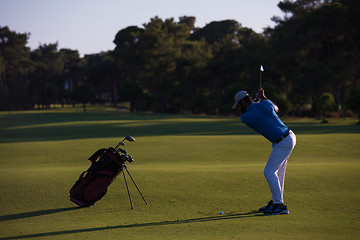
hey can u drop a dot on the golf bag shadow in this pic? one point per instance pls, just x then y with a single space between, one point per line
92 184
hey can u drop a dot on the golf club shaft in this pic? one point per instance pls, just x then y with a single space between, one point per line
261 70
117 146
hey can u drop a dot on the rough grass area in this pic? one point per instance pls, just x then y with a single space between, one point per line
189 168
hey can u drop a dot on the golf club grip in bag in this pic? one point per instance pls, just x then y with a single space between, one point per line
93 183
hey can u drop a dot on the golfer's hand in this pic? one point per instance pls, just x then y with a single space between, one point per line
261 94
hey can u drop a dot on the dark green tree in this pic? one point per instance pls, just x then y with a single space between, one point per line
160 44
15 67
71 75
313 48
47 82
101 72
110 76
83 94
325 104
130 64
221 68
311 79
352 101
192 94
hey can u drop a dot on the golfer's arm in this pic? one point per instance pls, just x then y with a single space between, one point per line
276 108
262 97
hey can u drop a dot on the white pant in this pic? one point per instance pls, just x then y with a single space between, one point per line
276 166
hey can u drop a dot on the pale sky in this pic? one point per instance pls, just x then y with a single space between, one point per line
90 26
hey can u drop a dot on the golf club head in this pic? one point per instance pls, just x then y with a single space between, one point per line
119 144
130 138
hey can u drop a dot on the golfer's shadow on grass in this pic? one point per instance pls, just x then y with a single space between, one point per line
35 213
137 225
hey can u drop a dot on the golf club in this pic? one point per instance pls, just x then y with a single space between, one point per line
260 84
129 138
261 70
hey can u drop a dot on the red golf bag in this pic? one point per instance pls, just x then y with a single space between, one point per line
92 184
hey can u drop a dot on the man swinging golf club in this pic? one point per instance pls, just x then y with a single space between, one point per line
261 116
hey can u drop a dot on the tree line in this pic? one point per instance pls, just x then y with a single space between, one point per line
311 62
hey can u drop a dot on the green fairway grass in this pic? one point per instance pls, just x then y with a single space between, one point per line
189 168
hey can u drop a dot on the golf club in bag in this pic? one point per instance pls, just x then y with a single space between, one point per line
106 164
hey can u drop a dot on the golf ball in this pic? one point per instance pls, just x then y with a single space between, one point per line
221 212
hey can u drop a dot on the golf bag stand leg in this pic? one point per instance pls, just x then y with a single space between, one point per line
135 186
127 187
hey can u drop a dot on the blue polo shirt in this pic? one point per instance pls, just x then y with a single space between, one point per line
263 119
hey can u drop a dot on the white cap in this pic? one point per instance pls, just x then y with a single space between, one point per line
238 96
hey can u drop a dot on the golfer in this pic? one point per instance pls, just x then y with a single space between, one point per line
261 116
